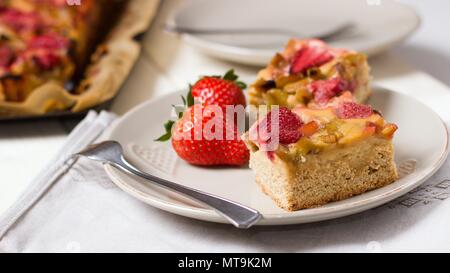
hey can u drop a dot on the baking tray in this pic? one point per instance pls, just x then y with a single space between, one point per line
124 46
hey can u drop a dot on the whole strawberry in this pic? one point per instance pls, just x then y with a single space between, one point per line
198 145
218 90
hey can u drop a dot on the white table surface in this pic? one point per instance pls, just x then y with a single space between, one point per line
167 64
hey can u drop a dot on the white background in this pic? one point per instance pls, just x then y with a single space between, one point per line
429 48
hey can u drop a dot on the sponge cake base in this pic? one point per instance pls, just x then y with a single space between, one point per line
332 175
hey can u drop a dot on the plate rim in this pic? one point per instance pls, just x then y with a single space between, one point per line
296 217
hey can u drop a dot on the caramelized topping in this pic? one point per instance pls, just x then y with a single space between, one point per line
317 129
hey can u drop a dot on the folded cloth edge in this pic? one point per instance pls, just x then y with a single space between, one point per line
86 132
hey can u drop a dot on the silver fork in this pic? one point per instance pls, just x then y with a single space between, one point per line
111 152
243 31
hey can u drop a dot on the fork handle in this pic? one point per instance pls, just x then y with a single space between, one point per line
239 215
234 31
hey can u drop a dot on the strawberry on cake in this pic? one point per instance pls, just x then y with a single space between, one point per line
308 156
311 71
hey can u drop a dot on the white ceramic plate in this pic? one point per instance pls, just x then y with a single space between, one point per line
379 24
422 136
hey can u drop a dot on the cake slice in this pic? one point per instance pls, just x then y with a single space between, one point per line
310 70
307 156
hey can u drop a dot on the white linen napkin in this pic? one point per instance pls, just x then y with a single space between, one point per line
74 207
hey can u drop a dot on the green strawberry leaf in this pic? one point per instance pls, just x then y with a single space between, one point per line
189 98
164 137
241 85
230 76
168 127
188 101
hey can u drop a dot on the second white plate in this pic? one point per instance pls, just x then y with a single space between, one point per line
422 136
379 24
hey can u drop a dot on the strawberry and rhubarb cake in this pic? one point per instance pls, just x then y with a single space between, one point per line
318 143
308 156
311 71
